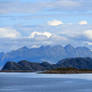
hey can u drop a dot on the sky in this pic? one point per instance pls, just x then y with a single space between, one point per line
33 23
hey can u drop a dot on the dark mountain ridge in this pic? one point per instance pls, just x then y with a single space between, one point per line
27 66
76 63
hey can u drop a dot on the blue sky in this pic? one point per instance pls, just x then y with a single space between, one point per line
33 23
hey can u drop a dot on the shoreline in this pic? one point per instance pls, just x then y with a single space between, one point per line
89 72
53 71
67 71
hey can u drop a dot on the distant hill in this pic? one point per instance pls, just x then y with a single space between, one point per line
27 66
50 54
78 63
70 63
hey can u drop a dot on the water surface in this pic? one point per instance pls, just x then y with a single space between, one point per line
32 82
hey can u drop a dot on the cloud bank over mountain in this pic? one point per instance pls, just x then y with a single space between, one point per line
49 22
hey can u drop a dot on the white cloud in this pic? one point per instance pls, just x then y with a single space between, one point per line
57 37
55 22
8 33
35 46
47 37
89 43
84 22
40 34
67 3
31 7
88 34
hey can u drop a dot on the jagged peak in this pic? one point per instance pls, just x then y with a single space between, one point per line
69 46
24 48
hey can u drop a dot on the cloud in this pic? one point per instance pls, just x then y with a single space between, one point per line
40 34
11 6
66 3
47 38
14 6
88 34
35 46
58 37
89 43
55 22
45 35
84 22
9 33
8 44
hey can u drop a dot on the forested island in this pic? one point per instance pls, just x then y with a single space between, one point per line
69 65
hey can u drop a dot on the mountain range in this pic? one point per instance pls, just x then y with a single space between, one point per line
51 54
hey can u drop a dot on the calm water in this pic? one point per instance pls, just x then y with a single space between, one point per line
32 82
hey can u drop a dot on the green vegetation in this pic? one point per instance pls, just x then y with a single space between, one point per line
67 70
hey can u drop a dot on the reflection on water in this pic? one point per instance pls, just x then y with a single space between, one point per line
30 82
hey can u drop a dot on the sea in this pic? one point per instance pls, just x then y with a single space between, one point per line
35 82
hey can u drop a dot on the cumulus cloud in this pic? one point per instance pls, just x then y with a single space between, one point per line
84 22
40 34
88 34
55 22
47 37
9 33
